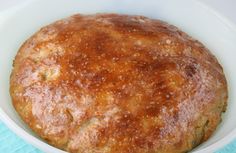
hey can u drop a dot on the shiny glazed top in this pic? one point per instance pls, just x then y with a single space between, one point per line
110 83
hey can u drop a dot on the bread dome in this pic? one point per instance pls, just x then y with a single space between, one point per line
110 83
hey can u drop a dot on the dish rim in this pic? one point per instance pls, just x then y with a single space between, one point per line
48 148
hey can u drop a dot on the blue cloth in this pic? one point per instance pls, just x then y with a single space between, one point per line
10 143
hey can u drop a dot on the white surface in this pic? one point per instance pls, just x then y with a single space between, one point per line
5 4
225 7
218 34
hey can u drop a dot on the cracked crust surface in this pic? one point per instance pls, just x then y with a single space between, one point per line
109 83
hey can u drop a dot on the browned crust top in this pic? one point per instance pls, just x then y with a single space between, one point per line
111 83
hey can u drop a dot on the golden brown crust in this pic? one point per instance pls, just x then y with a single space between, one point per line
110 83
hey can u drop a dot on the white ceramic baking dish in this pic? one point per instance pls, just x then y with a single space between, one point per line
193 17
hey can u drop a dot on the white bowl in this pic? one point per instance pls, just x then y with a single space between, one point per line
201 22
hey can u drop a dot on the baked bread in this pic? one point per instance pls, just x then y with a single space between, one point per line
109 83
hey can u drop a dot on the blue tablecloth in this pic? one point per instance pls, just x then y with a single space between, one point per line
10 143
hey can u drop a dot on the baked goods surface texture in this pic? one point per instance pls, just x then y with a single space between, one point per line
110 83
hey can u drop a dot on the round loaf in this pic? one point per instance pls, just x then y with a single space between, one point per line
109 83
